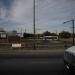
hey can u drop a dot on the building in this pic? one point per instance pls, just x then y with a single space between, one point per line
10 38
3 36
13 37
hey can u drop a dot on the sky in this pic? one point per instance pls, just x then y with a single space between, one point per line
49 15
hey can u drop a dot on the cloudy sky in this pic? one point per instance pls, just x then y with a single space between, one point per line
50 14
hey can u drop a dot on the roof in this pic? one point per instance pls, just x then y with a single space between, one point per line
11 33
71 50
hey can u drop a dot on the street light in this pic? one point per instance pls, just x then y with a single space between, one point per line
72 27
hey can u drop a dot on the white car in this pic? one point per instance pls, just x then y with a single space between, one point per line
69 58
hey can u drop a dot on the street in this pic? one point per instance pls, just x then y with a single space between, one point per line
39 64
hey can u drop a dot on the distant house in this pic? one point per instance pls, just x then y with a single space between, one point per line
3 36
13 37
9 37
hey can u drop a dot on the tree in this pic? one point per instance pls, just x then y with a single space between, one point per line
46 33
27 35
54 34
64 34
49 34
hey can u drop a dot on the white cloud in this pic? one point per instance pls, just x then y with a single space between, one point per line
48 13
20 9
2 11
20 14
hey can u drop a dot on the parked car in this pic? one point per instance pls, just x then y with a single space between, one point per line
69 58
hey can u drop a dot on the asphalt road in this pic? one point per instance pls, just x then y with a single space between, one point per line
39 64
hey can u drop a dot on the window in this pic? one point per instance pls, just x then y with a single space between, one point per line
3 35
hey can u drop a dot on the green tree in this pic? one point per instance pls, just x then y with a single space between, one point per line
49 34
46 33
64 34
27 35
54 34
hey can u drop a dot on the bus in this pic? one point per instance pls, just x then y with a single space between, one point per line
50 37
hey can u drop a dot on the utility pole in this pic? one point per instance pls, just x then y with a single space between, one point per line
34 23
73 29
